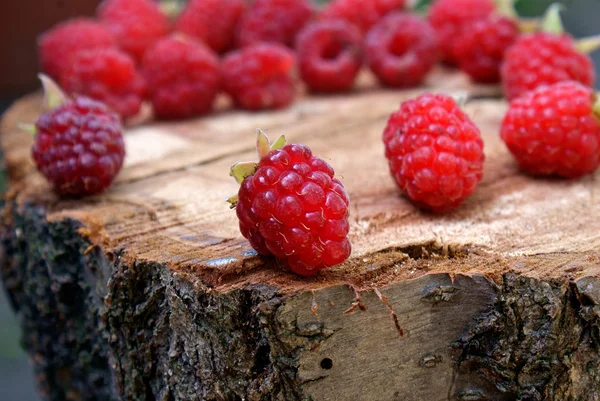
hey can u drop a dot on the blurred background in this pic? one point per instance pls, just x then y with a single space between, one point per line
20 24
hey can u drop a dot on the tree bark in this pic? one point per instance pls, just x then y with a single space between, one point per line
148 292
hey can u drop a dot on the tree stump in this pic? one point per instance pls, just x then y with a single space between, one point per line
149 292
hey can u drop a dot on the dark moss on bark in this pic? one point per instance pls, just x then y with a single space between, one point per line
47 278
539 342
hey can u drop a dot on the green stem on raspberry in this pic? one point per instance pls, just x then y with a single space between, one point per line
552 22
233 201
241 170
588 44
279 143
264 145
53 94
29 128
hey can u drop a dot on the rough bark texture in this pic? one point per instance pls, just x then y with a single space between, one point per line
148 293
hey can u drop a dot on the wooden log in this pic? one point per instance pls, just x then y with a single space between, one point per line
149 292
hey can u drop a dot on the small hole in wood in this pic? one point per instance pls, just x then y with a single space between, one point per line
326 363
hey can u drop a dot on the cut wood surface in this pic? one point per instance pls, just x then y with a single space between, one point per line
495 301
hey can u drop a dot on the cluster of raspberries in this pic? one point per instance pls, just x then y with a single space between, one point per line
290 204
257 51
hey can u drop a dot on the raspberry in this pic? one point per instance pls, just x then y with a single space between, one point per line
553 130
329 55
183 77
363 14
211 21
450 17
273 21
293 207
136 24
79 147
435 152
401 49
543 59
107 75
480 49
57 46
259 77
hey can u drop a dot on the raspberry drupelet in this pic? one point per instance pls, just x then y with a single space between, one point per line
291 206
58 46
401 49
276 21
136 24
259 77
107 75
363 14
554 130
183 77
212 22
435 152
450 17
329 55
78 145
480 50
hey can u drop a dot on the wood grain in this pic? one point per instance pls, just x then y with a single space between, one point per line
161 264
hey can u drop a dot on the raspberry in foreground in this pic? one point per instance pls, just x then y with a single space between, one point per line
401 49
480 49
554 130
136 24
259 77
212 22
276 21
363 14
435 152
329 55
57 46
290 205
544 59
450 17
107 75
79 146
183 77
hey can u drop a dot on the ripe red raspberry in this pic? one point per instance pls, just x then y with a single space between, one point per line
275 21
183 77
259 77
107 75
435 152
293 207
480 49
543 59
212 22
79 147
450 17
57 46
329 55
136 24
553 130
363 14
401 49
